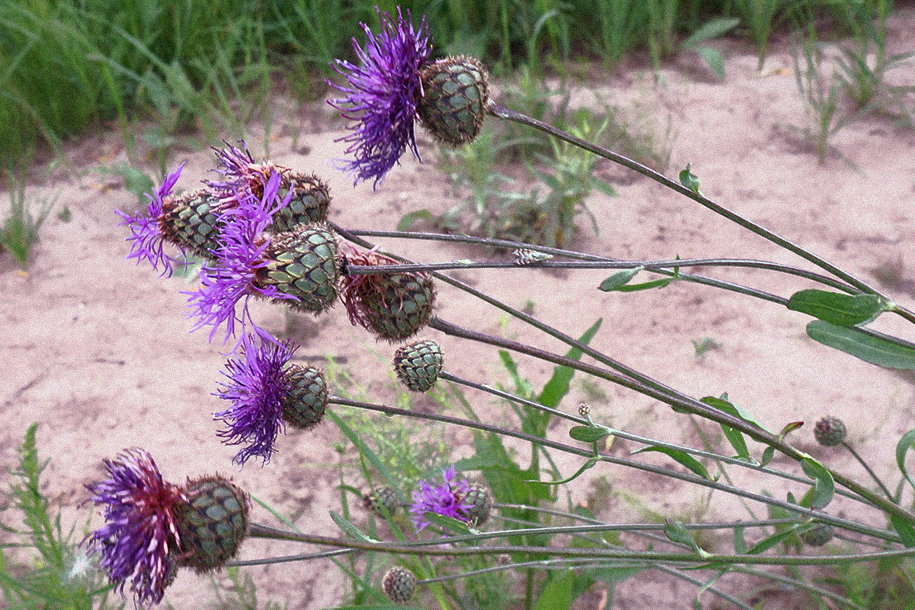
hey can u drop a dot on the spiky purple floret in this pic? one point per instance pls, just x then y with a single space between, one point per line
145 233
234 165
382 95
257 388
446 499
233 277
140 530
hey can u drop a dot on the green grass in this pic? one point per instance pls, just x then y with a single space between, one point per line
68 67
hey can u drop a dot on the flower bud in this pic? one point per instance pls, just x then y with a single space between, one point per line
212 523
418 364
455 99
383 497
829 431
477 503
303 263
304 404
399 585
818 535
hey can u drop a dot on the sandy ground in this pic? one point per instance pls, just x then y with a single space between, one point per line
97 350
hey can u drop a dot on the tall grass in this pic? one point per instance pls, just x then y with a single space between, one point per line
211 66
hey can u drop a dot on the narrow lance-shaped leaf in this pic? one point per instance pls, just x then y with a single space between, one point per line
349 529
589 434
837 308
682 458
869 348
589 464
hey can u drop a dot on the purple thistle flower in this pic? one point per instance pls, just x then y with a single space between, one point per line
233 277
382 95
446 499
140 531
145 229
257 387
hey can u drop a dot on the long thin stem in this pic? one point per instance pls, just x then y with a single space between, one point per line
674 399
721 459
511 115
637 381
868 469
442 547
589 454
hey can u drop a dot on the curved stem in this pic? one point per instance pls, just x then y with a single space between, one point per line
676 400
503 243
441 547
688 477
511 115
868 469
637 381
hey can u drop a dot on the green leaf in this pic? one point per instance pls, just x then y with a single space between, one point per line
411 218
349 529
449 524
714 60
905 530
589 434
589 464
677 532
740 544
837 308
824 487
557 593
767 543
362 447
681 457
710 30
789 428
866 347
767 455
658 283
737 442
558 385
619 279
722 404
689 180
905 443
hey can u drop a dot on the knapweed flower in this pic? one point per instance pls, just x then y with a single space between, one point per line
447 499
382 95
140 536
233 278
146 230
266 393
240 172
257 388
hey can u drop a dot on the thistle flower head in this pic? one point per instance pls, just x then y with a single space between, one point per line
382 94
447 499
257 387
233 278
146 234
140 530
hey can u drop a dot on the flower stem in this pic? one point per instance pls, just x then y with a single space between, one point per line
683 476
517 117
868 469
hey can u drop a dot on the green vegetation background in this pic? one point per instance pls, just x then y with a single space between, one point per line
67 67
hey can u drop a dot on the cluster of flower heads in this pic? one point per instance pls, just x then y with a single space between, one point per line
259 228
